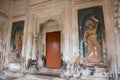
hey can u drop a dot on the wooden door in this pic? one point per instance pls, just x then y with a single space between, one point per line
53 56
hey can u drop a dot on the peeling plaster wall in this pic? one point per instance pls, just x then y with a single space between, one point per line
56 12
64 12
108 20
49 9
74 30
4 23
116 25
3 37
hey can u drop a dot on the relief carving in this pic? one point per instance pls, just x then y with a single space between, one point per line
92 36
94 48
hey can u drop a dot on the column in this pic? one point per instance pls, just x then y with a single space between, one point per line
66 31
29 38
8 36
34 51
29 48
35 38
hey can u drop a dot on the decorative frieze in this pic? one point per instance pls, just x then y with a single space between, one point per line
84 1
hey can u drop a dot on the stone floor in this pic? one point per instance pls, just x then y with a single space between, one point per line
8 75
42 74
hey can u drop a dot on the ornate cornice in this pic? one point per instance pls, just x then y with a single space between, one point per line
40 2
17 16
84 1
3 14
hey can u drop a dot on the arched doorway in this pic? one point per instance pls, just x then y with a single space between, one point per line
50 43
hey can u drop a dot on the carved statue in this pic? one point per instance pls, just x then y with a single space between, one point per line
90 36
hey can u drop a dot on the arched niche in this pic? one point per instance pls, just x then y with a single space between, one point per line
49 25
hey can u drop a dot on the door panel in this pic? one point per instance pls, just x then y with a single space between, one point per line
53 57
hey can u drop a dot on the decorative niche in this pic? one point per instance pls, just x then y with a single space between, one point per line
16 41
92 38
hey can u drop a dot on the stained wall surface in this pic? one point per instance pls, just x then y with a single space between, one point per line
64 13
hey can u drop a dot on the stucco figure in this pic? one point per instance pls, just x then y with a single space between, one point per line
90 36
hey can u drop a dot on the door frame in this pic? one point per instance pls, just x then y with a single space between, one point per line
44 48
60 44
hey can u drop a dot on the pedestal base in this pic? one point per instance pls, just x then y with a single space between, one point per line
94 71
102 64
94 78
